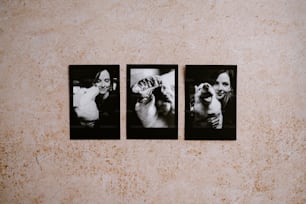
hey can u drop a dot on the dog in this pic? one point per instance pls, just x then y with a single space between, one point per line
84 103
206 106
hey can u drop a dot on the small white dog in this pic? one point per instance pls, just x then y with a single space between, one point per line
84 103
206 106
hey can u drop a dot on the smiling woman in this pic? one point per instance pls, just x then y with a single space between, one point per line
224 86
103 82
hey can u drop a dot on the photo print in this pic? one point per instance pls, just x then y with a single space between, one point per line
210 102
152 98
94 102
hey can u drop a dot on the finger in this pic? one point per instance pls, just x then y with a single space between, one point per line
149 82
156 81
145 85
215 124
142 84
152 82
213 121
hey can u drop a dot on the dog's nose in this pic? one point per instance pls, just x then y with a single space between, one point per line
206 86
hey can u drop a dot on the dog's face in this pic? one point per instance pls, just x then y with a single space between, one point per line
204 93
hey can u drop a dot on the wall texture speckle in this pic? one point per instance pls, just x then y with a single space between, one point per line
40 164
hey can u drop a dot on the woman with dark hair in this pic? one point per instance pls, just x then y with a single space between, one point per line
96 106
224 87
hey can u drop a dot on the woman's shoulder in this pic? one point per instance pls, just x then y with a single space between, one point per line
229 113
230 107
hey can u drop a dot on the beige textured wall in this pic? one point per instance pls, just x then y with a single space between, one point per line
39 39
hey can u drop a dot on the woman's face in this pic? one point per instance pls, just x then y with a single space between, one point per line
222 85
103 82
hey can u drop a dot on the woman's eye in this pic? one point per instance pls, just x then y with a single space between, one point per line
225 84
107 80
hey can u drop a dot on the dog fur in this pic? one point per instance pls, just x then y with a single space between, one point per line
206 105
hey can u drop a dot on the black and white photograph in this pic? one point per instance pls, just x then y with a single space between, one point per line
210 102
152 98
94 102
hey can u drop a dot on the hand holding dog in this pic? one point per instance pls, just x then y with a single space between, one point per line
214 122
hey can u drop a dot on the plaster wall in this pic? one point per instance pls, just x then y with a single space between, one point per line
40 164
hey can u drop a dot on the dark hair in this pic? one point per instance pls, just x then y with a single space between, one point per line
231 75
98 75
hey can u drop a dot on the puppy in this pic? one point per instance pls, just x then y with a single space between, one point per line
206 106
84 103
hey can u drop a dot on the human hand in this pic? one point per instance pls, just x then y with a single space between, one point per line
145 106
215 122
84 103
145 86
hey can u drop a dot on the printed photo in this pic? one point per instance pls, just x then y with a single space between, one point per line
152 101
94 102
210 102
